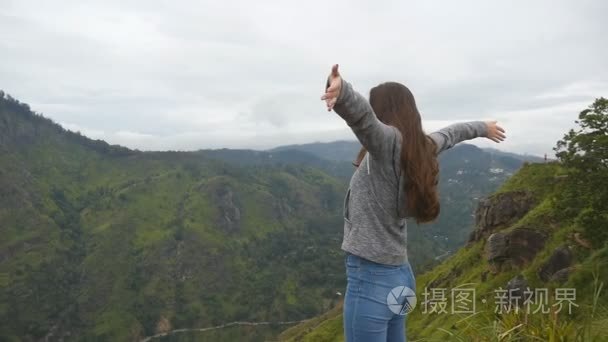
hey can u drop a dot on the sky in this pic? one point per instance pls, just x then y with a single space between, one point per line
189 75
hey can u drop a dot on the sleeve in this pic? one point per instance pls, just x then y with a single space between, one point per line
449 136
377 137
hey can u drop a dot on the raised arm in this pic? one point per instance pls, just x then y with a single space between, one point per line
377 137
449 136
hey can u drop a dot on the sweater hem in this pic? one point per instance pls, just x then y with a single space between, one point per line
384 259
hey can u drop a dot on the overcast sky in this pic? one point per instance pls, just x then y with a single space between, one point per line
186 75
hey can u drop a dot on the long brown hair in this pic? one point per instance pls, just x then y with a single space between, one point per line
394 105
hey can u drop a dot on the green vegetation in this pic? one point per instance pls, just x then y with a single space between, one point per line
104 243
570 208
584 153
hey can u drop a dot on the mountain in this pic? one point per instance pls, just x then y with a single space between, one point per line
467 173
104 243
347 150
336 168
100 242
337 150
523 240
524 157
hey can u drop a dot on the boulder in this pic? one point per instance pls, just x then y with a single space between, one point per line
518 247
561 276
560 259
496 247
524 244
500 211
516 288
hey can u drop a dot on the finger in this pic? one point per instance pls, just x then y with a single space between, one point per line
498 135
329 95
334 70
333 87
333 101
500 128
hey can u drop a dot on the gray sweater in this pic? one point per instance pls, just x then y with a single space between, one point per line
374 209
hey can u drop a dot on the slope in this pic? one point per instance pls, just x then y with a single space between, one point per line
521 240
104 243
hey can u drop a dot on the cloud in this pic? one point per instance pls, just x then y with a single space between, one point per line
202 74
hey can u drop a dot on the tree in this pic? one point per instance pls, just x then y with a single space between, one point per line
584 152
587 148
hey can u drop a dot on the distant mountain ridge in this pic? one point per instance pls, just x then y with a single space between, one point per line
346 150
467 173
341 150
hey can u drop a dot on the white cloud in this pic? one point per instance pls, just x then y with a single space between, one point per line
191 75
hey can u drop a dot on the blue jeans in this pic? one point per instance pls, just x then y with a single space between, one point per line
368 317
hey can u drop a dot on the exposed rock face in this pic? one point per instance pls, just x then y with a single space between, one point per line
518 247
524 244
282 209
229 217
557 267
163 325
499 211
496 247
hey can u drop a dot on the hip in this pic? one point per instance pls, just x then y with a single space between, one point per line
368 274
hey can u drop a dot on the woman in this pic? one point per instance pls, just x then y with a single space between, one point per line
396 177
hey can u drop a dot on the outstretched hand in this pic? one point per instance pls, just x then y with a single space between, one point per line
495 132
334 85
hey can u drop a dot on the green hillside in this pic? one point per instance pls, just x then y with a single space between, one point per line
100 242
470 267
104 243
545 228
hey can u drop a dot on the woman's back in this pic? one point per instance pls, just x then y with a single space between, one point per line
374 206
381 285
